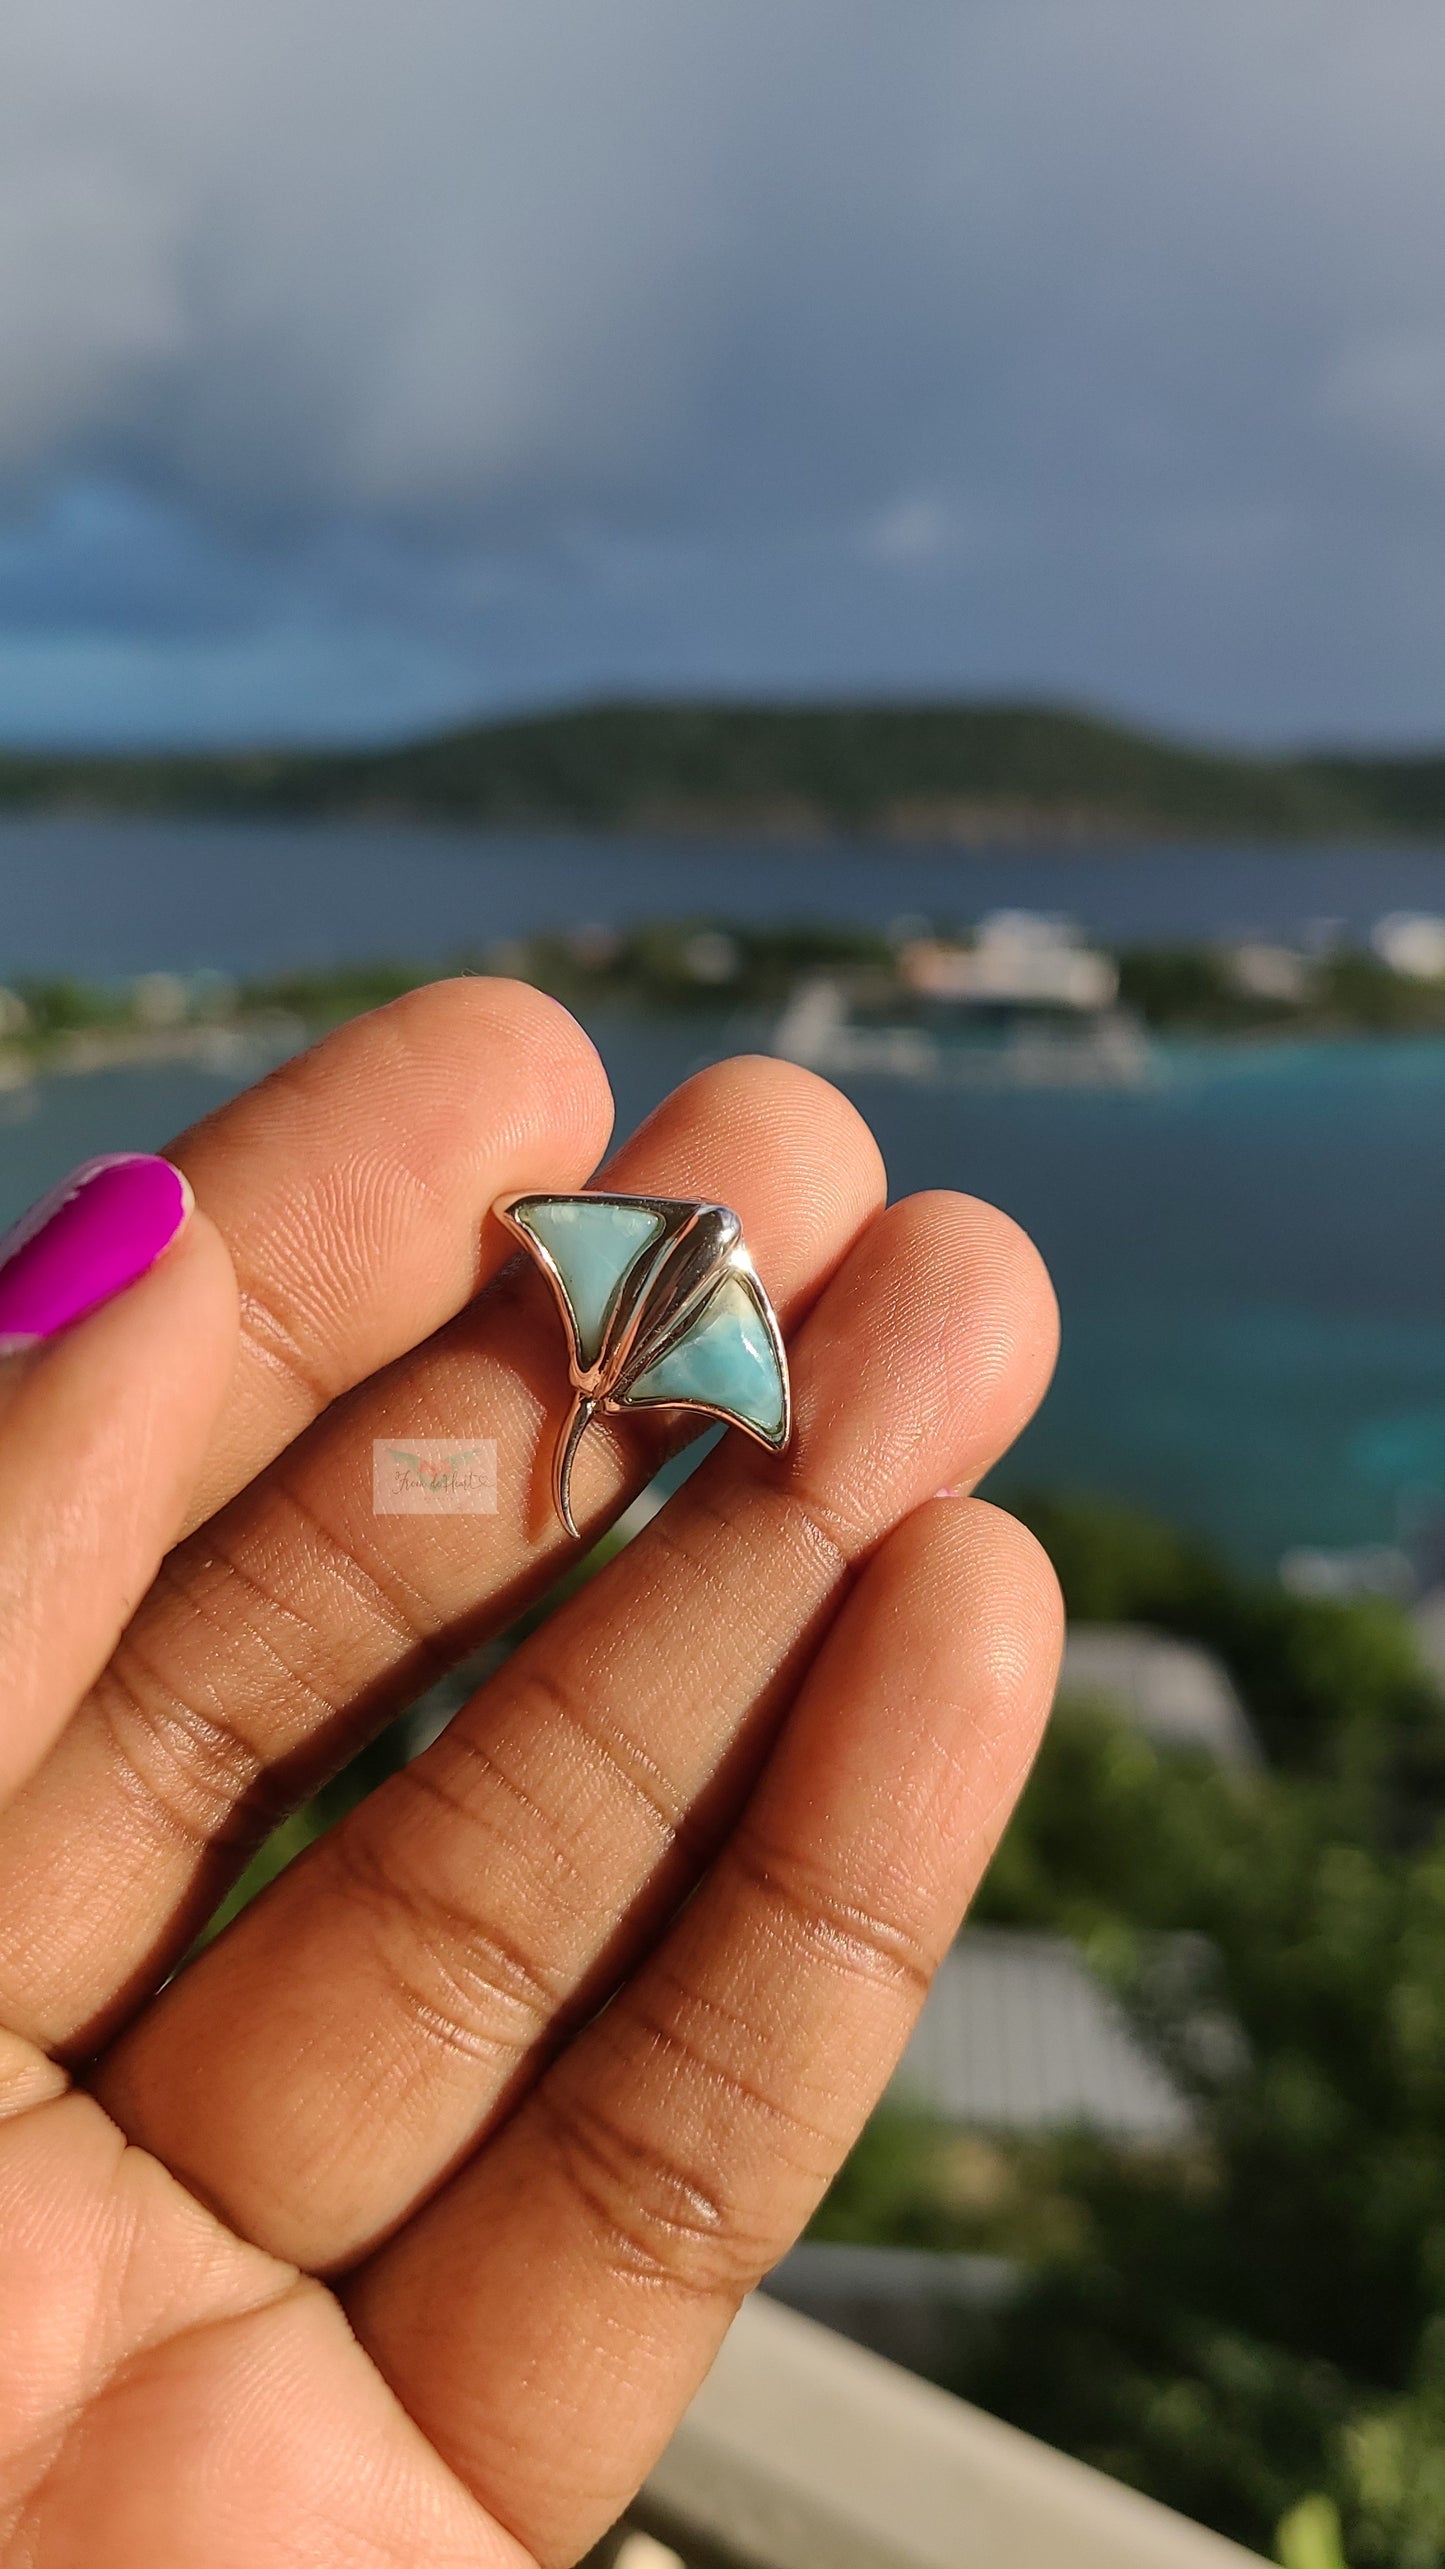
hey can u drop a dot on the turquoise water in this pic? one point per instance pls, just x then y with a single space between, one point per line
1250 1252
1250 1256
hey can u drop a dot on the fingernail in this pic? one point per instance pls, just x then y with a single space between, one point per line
90 1236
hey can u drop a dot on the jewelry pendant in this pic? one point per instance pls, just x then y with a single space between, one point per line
663 1309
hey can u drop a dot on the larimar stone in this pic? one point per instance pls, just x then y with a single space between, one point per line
593 1245
726 1360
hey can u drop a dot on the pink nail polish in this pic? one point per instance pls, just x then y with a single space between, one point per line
95 1232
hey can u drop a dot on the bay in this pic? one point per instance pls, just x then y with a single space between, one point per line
1249 1250
100 898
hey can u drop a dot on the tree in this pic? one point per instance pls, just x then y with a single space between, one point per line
1251 2328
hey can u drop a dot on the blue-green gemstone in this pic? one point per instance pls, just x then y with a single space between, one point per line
727 1360
593 1245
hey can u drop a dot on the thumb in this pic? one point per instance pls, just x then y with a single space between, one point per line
118 1327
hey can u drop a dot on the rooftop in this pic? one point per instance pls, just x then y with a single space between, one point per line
1017 2035
1179 1694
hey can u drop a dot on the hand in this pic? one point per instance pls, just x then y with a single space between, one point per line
369 2240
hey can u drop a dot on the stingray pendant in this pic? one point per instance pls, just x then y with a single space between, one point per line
663 1309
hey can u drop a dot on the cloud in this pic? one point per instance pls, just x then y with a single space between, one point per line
1390 385
512 347
324 256
913 528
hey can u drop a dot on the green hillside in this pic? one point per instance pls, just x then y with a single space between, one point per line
962 771
1407 794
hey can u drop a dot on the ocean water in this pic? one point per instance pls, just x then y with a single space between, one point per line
1250 1259
1249 1250
96 897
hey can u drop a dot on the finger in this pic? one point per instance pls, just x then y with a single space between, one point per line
349 2038
103 1425
288 1629
548 2316
172 2395
352 1186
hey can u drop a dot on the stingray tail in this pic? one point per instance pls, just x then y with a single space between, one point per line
573 1429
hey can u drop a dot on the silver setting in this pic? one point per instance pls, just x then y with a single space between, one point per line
662 1295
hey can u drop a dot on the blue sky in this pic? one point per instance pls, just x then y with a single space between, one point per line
362 368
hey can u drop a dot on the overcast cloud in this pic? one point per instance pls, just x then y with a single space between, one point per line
360 366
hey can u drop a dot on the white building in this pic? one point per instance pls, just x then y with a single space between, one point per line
1411 942
1175 1691
1274 973
1017 2036
1018 958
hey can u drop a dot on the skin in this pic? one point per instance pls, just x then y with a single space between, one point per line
368 2239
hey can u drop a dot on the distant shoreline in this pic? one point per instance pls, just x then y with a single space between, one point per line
977 831
971 776
902 995
247 1043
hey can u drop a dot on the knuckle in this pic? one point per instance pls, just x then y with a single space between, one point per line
279 1345
395 1610
193 1774
205 1766
854 1937
832 1538
657 2220
465 1983
625 1766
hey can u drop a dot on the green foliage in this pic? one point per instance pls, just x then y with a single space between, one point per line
1357 990
1262 2321
890 2188
359 1776
1310 2537
1251 2327
1116 1565
681 965
66 1007
678 965
1333 1689
1408 793
1189 987
1240 2329
324 998
665 966
1395 2461
951 768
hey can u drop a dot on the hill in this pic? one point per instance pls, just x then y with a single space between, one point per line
930 771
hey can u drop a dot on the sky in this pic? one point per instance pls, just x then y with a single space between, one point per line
367 368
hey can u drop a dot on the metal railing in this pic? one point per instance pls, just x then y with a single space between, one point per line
802 2451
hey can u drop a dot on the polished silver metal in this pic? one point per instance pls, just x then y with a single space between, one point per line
663 1296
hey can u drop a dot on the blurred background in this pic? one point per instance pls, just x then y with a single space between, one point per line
913 539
